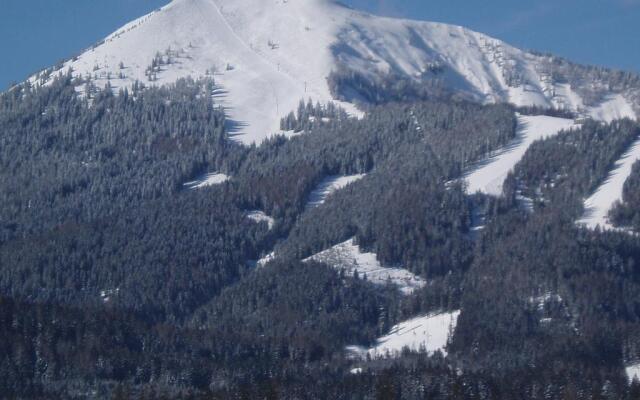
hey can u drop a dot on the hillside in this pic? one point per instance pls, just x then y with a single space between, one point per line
443 216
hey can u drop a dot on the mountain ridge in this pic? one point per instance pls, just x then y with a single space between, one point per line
267 56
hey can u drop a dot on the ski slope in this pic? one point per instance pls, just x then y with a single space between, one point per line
328 186
597 206
490 175
429 333
349 257
267 55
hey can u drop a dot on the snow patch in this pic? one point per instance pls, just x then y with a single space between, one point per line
349 257
260 216
597 206
266 259
525 203
107 294
429 333
633 371
490 175
328 186
540 302
206 180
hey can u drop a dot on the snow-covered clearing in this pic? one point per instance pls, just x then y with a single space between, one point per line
328 186
488 177
428 333
597 206
633 371
260 216
613 107
349 257
210 179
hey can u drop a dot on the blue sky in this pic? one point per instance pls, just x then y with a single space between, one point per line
37 33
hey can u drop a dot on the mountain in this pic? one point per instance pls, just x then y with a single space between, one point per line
266 56
424 239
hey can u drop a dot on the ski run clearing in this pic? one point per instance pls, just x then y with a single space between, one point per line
597 206
348 256
210 179
633 372
259 216
490 175
328 186
429 333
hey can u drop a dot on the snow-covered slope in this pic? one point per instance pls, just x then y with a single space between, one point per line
597 206
349 257
613 107
428 333
267 55
489 176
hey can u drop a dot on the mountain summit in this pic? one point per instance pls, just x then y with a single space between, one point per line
266 56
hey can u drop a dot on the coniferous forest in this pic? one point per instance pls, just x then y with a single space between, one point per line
119 281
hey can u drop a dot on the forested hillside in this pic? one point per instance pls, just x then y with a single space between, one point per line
118 281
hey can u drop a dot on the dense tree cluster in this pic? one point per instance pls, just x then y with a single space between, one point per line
566 298
68 158
309 116
260 330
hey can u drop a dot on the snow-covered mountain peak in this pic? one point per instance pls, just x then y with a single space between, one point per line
267 55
